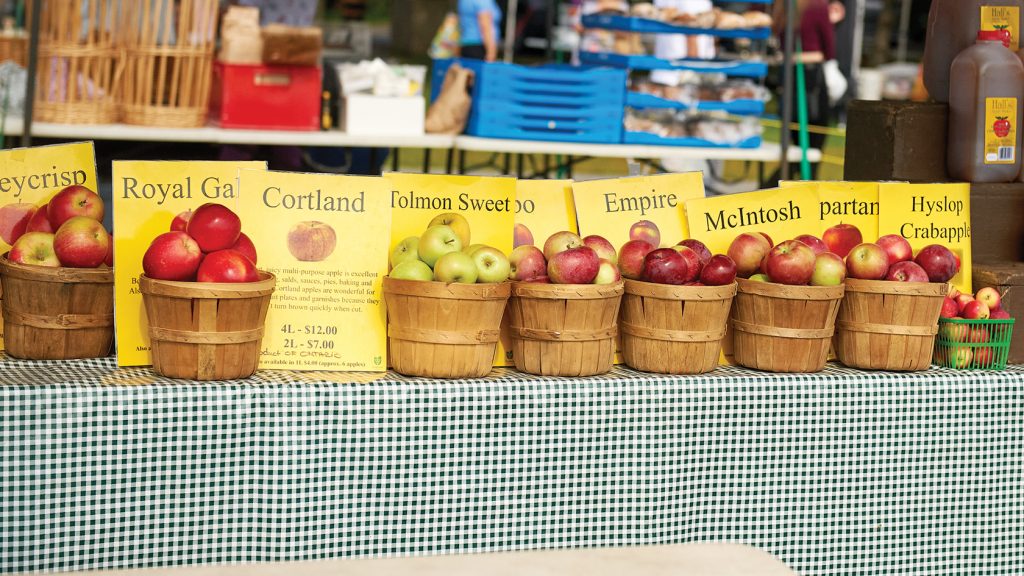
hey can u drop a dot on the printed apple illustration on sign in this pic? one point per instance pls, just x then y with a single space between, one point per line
1001 126
522 236
14 220
647 231
311 241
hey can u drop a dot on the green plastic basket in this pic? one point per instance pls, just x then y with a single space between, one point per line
973 344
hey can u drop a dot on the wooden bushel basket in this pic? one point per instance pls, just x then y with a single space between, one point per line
57 313
780 328
674 329
888 325
443 330
167 77
206 330
564 329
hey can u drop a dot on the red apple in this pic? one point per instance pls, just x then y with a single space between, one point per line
700 248
813 242
226 266
791 262
841 238
747 250
959 358
560 242
953 292
763 268
975 310
74 201
938 262
954 332
526 263
603 247
172 256
962 300
695 284
35 248
245 246
81 242
896 247
631 258
647 231
829 270
667 266
977 335
39 222
990 296
539 280
867 261
607 273
214 227
109 260
692 261
719 271
984 357
999 314
767 239
950 309
180 221
906 271
574 266
14 219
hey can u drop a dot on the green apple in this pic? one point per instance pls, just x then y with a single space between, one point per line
436 242
412 270
457 222
472 248
491 265
759 278
407 249
455 267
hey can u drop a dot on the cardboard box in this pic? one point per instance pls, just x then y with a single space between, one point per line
1008 278
896 141
997 222
364 114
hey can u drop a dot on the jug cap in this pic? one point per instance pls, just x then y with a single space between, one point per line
996 36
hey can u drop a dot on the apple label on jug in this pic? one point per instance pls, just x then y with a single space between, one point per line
151 198
325 238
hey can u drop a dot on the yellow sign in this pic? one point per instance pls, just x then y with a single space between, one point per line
543 207
1003 18
930 214
325 238
31 176
853 203
782 213
147 196
620 209
487 203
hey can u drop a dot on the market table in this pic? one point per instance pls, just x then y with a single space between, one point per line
842 472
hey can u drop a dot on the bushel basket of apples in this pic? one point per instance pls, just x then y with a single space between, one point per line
564 306
974 331
783 316
445 298
675 309
58 280
205 301
888 318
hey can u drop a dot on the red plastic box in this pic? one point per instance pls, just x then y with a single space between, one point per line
266 97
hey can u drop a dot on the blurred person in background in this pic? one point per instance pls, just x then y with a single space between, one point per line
479 29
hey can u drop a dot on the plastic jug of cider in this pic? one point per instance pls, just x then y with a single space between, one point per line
985 98
952 28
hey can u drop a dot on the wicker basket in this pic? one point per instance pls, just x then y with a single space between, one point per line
14 47
564 329
57 313
674 329
888 325
204 330
79 62
167 77
443 330
781 328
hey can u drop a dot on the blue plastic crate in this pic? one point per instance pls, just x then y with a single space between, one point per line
737 107
654 140
551 102
648 26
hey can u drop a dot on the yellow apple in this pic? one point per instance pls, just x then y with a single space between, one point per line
457 222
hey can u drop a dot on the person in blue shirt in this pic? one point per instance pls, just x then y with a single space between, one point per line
479 29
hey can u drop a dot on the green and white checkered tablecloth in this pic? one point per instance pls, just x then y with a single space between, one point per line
843 472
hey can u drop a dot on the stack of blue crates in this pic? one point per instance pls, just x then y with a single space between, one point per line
552 102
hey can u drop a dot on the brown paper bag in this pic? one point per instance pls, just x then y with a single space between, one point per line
448 114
